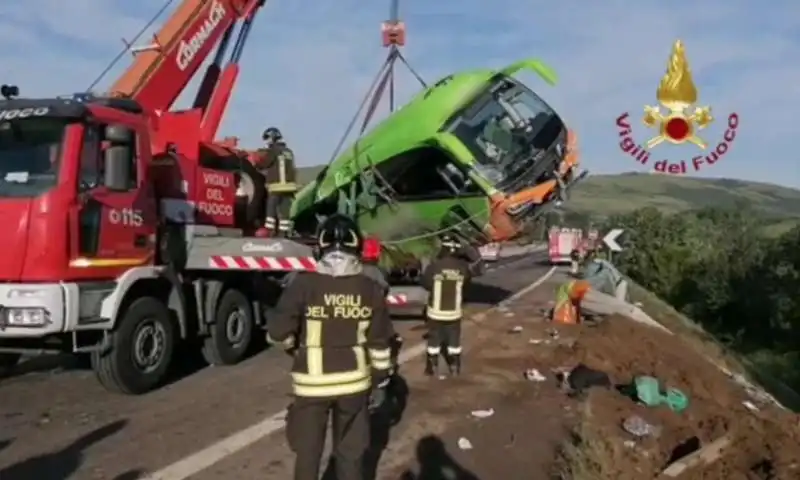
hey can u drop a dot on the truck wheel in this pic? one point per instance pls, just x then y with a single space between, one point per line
231 334
141 349
7 362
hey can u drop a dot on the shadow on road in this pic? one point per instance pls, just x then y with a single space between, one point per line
45 363
62 464
435 463
131 475
5 443
484 294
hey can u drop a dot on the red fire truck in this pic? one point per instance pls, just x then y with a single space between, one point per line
125 232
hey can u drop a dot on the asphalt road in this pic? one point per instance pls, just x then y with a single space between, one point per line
60 424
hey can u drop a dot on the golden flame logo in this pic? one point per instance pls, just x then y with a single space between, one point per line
677 92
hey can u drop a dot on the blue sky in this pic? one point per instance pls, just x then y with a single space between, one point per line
308 64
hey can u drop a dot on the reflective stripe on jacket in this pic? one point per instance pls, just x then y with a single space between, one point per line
445 279
277 164
343 329
565 311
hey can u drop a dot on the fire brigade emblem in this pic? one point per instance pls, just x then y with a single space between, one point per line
678 94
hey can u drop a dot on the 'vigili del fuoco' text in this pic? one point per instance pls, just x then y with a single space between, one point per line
629 146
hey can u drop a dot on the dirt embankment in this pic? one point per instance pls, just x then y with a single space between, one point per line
763 441
533 422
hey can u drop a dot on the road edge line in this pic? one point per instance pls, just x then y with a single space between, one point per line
218 451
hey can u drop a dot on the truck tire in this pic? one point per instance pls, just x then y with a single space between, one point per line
7 362
231 333
141 349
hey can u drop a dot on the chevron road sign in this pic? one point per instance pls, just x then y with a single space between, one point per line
611 239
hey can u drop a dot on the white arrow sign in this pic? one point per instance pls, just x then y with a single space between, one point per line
611 239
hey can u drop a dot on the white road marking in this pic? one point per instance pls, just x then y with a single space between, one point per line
201 460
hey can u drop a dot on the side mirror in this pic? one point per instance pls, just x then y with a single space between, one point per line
116 163
118 135
117 157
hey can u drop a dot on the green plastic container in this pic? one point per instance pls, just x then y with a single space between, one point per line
648 391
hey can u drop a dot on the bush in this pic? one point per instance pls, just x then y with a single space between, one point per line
717 267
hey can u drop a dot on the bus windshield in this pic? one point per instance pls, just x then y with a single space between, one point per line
505 129
30 155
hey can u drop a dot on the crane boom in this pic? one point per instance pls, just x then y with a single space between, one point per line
161 71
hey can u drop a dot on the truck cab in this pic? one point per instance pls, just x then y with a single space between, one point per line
74 196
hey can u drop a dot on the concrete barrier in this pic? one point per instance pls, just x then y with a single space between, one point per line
601 304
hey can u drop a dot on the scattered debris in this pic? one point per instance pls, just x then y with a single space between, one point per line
580 378
629 444
648 390
534 375
639 427
750 406
553 333
483 413
537 341
706 455
516 329
464 444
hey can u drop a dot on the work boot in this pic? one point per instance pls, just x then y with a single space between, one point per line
431 365
454 364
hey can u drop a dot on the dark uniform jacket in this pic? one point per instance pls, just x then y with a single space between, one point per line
341 327
445 279
277 165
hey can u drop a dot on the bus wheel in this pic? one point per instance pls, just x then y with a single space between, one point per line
141 349
7 362
231 334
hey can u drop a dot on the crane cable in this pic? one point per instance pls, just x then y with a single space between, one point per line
125 50
374 95
384 78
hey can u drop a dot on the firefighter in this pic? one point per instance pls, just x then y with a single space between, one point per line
569 295
445 279
337 321
575 258
276 164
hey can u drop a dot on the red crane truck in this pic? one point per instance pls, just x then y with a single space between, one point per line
125 232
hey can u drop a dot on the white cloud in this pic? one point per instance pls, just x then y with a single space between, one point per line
308 64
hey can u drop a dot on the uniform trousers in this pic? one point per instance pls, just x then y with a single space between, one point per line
306 428
444 333
278 206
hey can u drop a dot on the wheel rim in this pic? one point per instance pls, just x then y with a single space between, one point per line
149 344
235 328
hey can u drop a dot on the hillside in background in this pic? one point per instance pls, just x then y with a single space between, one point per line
306 174
602 195
613 194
